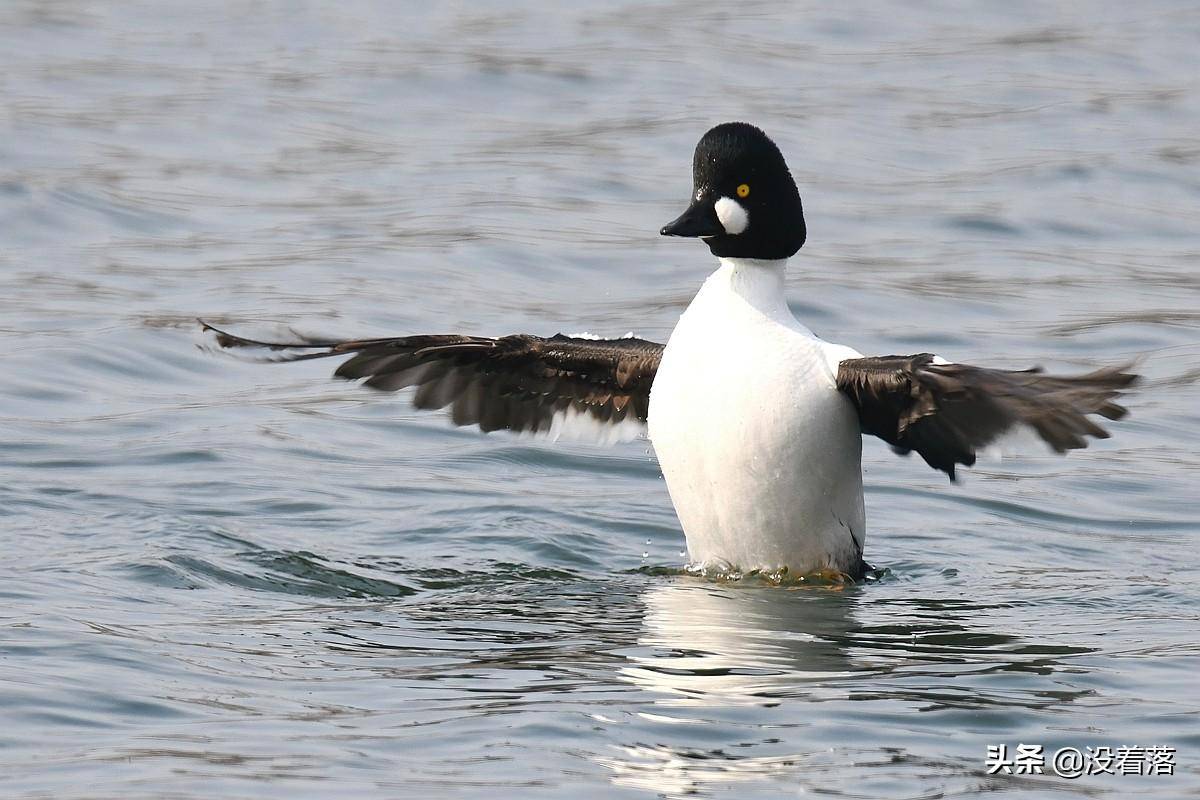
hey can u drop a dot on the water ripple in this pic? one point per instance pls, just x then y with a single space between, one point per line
220 576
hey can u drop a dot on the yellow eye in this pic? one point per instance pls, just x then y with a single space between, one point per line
743 190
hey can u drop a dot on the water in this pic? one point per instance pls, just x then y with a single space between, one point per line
225 580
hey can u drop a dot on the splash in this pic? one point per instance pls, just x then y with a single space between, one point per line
723 573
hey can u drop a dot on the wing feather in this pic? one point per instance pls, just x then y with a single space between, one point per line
946 412
516 383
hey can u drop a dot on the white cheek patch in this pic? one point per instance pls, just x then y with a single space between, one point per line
734 217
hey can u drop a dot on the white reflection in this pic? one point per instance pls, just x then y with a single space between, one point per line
678 773
727 645
708 647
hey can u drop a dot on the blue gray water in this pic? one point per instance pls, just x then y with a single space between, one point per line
225 580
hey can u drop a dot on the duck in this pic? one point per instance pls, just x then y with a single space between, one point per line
756 422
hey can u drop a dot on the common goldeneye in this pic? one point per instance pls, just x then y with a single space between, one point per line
776 484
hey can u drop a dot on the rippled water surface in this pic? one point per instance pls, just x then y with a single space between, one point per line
225 580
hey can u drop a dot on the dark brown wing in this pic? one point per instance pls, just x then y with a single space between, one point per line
519 383
947 411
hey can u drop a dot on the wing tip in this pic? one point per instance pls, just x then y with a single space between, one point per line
224 339
302 349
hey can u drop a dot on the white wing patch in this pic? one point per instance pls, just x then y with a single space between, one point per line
573 425
591 337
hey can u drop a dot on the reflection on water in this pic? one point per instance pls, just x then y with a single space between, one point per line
705 649
729 646
707 653
224 581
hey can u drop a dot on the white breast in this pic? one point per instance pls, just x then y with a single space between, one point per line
760 452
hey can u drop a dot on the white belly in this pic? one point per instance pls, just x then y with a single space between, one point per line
760 452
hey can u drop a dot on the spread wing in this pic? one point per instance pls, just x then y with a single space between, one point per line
519 383
946 412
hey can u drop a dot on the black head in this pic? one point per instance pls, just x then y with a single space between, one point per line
744 201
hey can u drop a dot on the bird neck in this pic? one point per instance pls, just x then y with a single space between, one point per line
756 281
